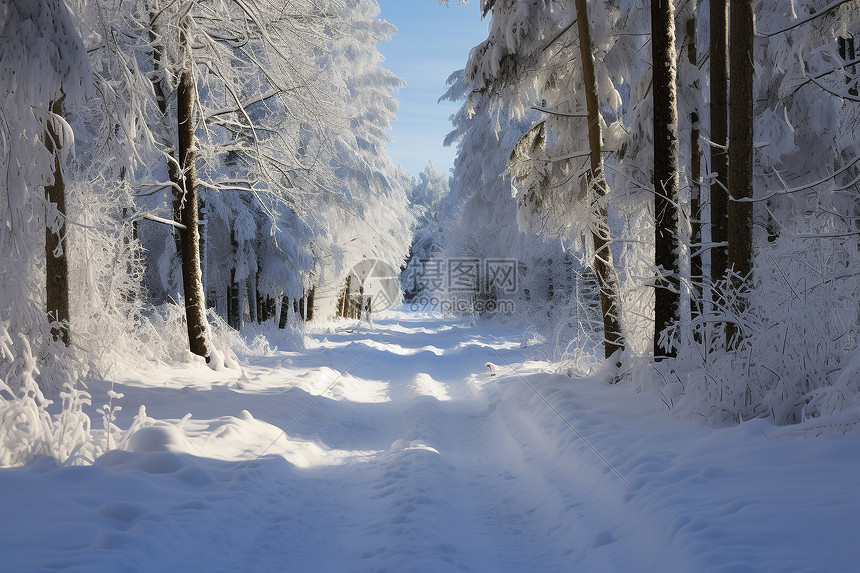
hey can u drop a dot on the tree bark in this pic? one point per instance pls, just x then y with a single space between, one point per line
192 280
667 293
56 246
719 106
741 151
613 338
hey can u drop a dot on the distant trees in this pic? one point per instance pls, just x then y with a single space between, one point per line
425 200
364 203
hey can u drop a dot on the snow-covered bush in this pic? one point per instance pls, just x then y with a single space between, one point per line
797 359
42 61
27 428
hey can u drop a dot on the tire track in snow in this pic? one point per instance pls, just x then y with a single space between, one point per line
442 497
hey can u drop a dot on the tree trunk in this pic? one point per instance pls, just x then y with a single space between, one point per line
195 304
271 308
613 338
253 300
309 315
285 308
695 175
301 309
667 293
719 105
56 246
180 170
204 237
550 288
741 150
343 311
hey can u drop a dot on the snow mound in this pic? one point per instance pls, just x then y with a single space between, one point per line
166 438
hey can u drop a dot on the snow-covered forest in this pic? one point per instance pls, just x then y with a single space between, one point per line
717 263
621 333
176 171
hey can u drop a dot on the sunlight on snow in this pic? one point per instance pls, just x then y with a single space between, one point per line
344 386
424 385
381 346
245 438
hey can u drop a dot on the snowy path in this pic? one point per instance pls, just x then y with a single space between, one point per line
392 448
431 496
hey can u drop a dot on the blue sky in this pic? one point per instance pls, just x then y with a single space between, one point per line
432 41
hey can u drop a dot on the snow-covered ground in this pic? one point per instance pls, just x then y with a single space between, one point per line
394 447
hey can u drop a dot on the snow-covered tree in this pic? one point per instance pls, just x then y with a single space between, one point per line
365 208
42 64
242 77
425 200
529 61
